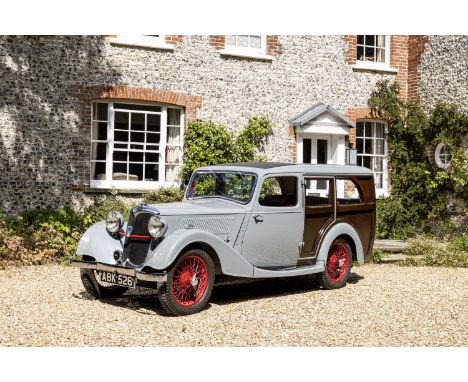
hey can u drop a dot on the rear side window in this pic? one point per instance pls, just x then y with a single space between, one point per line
347 192
279 191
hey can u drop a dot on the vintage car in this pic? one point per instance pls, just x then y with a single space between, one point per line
248 220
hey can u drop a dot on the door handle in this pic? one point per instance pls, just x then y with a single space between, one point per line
258 218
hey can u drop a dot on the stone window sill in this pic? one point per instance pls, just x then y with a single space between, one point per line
246 54
374 68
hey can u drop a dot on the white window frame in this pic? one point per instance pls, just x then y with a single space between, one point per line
378 66
438 159
110 183
142 41
380 192
242 51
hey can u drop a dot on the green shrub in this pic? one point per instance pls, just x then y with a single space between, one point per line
377 256
99 210
460 242
395 220
426 251
164 195
208 143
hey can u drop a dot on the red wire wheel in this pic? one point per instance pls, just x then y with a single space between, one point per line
338 265
189 281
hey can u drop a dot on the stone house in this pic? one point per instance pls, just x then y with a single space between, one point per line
84 115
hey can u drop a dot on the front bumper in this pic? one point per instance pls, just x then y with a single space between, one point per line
152 277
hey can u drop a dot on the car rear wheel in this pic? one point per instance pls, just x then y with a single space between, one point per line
338 265
189 284
97 288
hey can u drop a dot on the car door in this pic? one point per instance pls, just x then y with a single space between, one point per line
274 231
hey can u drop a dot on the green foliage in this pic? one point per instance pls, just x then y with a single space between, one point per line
207 143
164 195
425 251
394 220
99 210
377 256
418 188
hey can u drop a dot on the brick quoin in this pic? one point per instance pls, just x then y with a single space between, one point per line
173 39
416 47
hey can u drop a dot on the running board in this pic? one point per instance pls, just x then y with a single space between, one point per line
261 273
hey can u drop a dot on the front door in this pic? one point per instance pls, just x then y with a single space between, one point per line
317 150
274 231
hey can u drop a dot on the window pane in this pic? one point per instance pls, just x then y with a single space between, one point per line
173 135
380 41
379 130
173 117
279 191
378 180
369 147
243 40
153 123
152 172
173 155
99 151
314 197
360 129
378 164
360 39
152 147
369 54
137 137
360 53
121 136
150 108
135 157
98 170
100 111
230 40
121 121
171 173
366 162
370 40
152 157
256 42
380 55
138 122
368 130
347 191
99 131
135 171
119 171
152 138
120 156
360 145
379 146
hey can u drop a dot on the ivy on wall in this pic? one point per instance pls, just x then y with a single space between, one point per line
418 187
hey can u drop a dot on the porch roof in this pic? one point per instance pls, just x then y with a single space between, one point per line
314 111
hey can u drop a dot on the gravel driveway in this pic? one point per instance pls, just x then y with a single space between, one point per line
382 305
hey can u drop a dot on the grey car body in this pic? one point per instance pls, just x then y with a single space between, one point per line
245 239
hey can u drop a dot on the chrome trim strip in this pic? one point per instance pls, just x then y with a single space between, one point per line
159 277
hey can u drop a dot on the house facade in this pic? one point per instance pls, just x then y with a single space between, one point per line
85 115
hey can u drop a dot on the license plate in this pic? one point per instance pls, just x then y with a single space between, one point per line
116 279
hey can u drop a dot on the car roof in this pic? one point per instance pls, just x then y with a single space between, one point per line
281 167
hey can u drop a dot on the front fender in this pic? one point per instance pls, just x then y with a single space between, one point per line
232 263
97 242
338 230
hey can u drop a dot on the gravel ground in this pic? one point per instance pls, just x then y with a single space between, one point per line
382 305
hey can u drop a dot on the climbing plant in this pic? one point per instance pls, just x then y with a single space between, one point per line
207 143
418 187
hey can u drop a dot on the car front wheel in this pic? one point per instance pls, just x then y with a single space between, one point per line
338 265
189 284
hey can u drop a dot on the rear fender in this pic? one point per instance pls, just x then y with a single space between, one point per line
338 230
232 263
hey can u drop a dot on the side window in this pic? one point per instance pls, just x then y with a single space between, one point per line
279 191
318 192
347 192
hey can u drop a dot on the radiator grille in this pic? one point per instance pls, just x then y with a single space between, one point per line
135 249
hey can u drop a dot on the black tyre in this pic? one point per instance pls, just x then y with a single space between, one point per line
97 288
338 265
189 284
